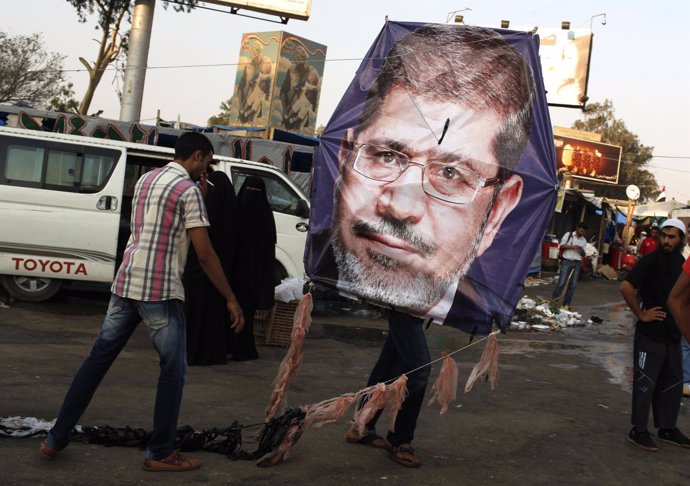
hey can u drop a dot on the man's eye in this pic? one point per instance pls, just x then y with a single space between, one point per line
451 173
386 157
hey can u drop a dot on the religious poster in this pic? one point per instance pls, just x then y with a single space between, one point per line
298 84
255 79
436 175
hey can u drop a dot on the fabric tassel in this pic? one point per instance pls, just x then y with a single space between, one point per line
445 389
328 411
397 391
293 358
488 364
282 452
374 398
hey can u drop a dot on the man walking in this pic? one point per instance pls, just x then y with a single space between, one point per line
573 245
658 374
406 231
168 213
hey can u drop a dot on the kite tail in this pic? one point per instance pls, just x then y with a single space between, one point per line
488 364
293 358
445 388
397 391
295 428
328 411
373 399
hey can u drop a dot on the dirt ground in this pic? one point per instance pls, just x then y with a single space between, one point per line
560 413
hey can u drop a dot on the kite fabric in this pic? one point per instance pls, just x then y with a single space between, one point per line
436 175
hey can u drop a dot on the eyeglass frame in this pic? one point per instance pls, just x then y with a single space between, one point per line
481 181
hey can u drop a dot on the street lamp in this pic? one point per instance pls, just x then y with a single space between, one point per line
603 21
458 18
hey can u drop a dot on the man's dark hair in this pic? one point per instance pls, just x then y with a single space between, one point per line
582 225
473 66
190 142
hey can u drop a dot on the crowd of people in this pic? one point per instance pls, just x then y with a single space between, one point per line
389 240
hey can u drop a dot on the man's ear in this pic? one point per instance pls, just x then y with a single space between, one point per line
508 197
346 146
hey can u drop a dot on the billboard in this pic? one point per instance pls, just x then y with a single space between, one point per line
295 9
586 159
565 58
278 82
255 79
298 84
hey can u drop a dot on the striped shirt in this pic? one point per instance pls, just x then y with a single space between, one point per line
166 204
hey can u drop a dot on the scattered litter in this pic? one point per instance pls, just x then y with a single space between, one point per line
290 289
531 281
604 406
3 305
608 272
539 315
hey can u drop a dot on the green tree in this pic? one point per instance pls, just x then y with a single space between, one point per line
600 118
114 18
222 118
29 74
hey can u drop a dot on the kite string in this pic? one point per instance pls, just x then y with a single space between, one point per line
436 360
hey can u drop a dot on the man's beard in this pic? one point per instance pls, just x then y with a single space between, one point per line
385 280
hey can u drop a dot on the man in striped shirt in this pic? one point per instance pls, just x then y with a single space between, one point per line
168 213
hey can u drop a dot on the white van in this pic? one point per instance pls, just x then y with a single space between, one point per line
65 202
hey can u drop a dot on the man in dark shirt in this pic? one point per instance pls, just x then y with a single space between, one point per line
658 373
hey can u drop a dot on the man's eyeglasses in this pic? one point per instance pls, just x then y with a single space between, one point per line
451 182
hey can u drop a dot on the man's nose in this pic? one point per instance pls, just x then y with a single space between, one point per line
404 198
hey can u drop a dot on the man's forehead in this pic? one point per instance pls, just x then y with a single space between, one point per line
414 125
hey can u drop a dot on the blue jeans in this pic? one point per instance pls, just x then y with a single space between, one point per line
686 360
566 267
166 325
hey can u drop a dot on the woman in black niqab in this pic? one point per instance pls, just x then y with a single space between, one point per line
254 264
208 322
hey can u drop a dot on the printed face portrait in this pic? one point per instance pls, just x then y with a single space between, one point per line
409 239
419 188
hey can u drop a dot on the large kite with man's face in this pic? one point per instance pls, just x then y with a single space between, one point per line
435 178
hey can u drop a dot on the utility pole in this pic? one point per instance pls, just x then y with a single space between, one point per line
137 58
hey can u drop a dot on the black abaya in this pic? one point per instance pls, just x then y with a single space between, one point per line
253 269
208 322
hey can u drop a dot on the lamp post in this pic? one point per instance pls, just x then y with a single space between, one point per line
591 19
451 14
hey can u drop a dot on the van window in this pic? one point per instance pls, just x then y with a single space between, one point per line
281 197
24 163
53 165
61 169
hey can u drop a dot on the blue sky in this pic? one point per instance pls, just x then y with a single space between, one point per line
640 57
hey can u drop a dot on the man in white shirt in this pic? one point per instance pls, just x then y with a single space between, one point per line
573 245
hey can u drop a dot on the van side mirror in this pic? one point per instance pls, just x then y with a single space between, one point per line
302 209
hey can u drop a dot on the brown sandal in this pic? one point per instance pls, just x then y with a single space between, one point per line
404 454
48 451
370 439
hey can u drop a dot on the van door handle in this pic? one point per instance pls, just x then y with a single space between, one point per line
302 227
107 203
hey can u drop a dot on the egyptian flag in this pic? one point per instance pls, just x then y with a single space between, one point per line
662 195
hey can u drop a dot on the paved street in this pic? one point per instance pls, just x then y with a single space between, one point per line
560 412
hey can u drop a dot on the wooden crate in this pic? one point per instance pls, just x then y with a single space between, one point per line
261 319
275 329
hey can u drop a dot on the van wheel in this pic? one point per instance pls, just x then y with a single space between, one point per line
31 289
279 273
